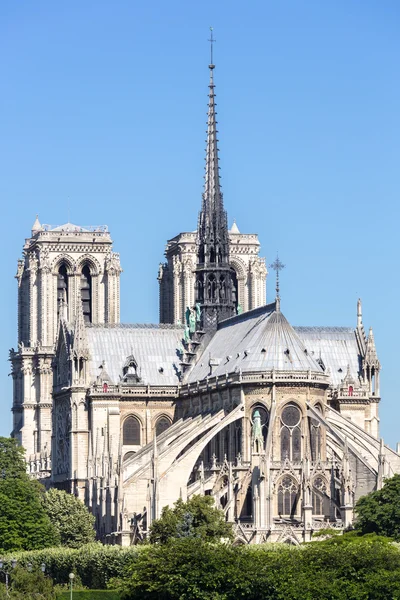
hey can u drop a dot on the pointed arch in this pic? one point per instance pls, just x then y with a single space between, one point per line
131 431
63 259
92 262
86 293
287 496
290 431
163 422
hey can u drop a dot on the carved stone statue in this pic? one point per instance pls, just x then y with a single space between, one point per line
257 439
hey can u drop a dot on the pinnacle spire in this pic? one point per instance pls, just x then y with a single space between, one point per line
214 286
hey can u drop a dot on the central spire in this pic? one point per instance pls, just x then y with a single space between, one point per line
214 290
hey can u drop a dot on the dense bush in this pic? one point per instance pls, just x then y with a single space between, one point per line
188 569
94 564
90 595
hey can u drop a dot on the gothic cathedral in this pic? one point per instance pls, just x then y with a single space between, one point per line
223 397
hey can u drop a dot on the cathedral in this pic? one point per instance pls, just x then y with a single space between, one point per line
222 397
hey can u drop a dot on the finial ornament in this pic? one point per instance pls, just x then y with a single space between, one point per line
211 40
277 266
359 313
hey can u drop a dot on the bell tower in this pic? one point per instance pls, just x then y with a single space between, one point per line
63 268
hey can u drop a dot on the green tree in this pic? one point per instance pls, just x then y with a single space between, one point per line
70 517
379 512
198 517
34 585
24 524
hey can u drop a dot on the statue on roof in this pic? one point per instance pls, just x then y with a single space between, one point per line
192 321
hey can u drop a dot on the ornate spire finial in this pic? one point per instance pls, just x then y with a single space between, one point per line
359 313
277 266
211 40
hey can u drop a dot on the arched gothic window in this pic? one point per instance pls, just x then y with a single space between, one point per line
235 294
86 294
315 436
238 439
62 286
291 433
162 424
131 432
287 496
128 455
318 496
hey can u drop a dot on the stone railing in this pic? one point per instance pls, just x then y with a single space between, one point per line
107 390
239 377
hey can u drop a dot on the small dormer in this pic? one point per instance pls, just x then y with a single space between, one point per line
130 373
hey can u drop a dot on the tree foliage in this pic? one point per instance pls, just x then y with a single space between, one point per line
379 512
70 517
24 525
30 585
355 568
196 518
94 564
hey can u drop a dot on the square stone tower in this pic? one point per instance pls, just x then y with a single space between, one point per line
61 267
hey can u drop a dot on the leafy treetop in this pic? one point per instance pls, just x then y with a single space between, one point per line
196 518
70 517
379 512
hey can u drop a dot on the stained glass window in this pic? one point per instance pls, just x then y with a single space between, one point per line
131 432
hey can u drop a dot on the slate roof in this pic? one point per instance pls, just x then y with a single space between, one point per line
337 347
258 340
153 346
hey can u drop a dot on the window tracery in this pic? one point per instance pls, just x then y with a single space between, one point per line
287 496
291 433
318 495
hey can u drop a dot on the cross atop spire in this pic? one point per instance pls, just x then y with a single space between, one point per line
211 40
277 266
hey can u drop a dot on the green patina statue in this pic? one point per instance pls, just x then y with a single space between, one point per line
239 309
192 321
186 335
198 312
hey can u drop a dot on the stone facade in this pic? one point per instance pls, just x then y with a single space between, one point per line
178 274
60 265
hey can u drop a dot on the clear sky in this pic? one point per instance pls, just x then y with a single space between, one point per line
103 109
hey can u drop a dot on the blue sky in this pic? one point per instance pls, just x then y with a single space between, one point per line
103 109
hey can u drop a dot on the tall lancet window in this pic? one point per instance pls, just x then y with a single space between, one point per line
62 286
291 433
86 294
315 436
